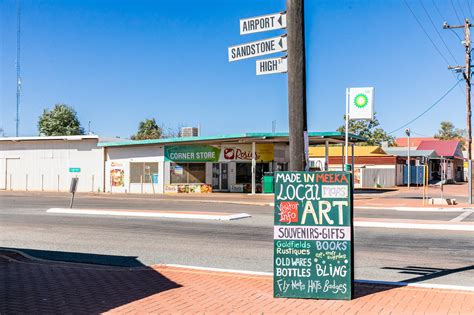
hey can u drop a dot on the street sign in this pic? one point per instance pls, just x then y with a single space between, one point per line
74 170
272 65
263 23
313 232
258 48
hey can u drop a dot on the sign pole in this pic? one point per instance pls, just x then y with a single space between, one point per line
296 83
346 161
254 164
469 176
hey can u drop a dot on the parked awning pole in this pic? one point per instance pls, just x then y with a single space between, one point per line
326 156
253 168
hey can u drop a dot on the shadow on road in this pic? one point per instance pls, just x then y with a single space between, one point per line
30 286
427 273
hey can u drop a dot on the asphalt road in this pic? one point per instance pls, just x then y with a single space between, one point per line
442 257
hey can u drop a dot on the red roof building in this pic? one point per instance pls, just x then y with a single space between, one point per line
444 148
414 142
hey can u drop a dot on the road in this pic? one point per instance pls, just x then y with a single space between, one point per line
431 256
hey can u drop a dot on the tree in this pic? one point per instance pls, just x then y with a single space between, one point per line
60 121
368 129
447 131
148 129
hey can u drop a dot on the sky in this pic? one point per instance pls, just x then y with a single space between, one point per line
118 62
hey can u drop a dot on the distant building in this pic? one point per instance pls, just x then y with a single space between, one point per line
189 132
373 167
414 142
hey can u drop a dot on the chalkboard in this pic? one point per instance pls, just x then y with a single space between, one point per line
313 253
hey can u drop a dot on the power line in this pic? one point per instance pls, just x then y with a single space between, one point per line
437 32
428 109
456 12
469 6
426 33
460 40
418 134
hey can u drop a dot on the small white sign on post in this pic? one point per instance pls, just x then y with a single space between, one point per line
263 23
361 103
258 48
272 65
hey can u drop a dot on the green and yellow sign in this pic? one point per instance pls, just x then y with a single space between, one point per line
192 153
313 256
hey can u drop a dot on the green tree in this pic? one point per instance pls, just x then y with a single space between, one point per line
447 131
368 129
60 121
148 129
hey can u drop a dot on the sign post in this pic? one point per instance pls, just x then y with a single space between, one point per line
73 189
313 232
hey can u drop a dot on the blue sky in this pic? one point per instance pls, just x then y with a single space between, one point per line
118 62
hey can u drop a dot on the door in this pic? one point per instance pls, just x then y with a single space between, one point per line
224 177
215 176
220 176
3 174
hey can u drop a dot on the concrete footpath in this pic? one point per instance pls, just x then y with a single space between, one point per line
44 287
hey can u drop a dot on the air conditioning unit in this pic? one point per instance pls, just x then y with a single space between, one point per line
189 132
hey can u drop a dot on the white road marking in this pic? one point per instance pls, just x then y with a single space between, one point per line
462 216
270 274
418 209
151 214
420 226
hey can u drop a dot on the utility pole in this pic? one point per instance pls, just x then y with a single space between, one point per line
296 84
467 77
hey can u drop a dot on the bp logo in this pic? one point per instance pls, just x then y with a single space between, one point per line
361 100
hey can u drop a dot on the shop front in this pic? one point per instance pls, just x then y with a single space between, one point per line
206 168
203 164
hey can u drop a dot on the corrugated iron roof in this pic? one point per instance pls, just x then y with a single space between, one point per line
414 141
403 152
445 148
313 137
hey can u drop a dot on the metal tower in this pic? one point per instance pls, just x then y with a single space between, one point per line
18 77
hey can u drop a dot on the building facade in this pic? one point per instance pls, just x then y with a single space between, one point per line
49 163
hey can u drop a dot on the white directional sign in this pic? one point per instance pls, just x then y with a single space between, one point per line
258 48
263 23
272 65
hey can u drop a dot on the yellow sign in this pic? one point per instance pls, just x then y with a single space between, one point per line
243 152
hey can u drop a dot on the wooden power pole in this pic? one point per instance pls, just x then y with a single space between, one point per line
296 84
467 77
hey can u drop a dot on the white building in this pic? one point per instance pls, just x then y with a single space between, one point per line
49 163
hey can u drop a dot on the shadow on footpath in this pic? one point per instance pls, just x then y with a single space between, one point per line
31 286
427 273
362 288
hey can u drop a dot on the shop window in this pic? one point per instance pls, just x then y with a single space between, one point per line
187 173
142 172
243 172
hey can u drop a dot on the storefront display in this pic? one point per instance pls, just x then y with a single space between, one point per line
188 189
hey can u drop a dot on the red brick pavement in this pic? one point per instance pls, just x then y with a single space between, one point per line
32 286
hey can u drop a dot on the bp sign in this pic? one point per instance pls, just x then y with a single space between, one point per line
313 255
